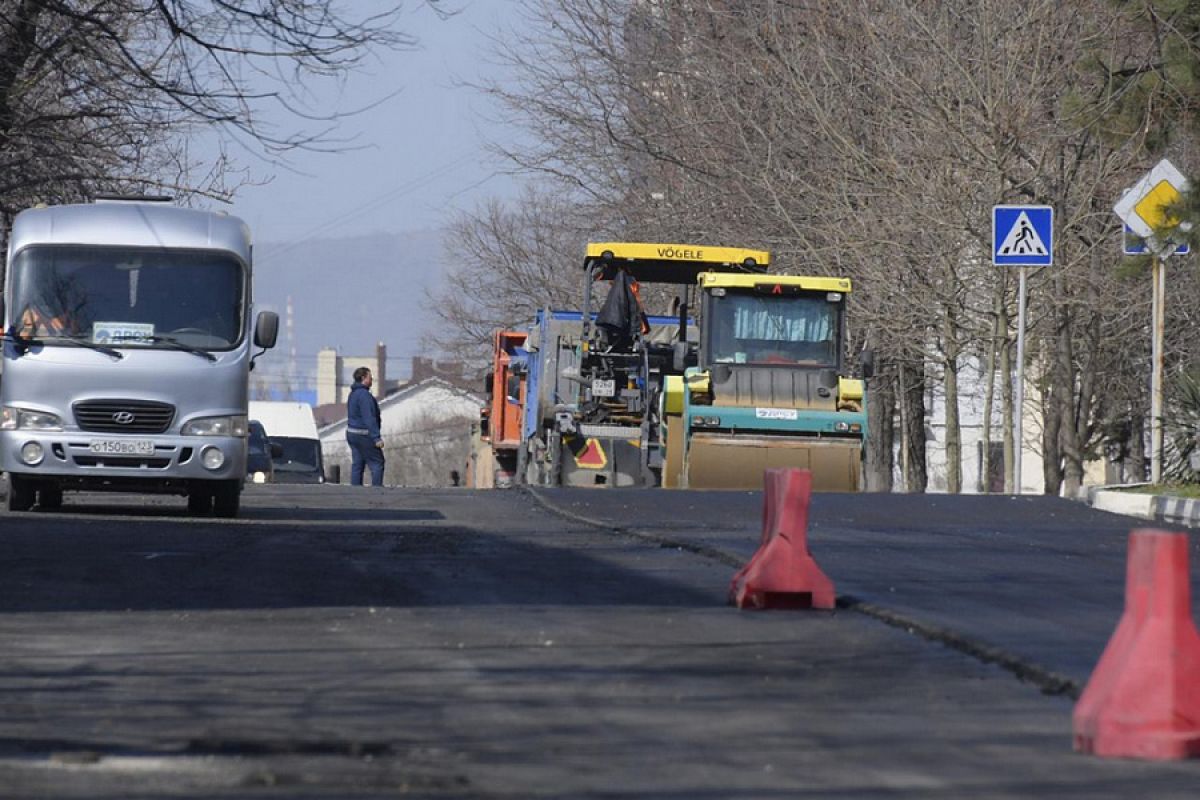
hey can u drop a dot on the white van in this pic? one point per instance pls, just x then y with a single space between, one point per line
292 426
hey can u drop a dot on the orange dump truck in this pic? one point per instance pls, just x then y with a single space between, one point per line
500 419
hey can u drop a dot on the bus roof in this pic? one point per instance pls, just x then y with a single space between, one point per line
131 224
709 280
672 263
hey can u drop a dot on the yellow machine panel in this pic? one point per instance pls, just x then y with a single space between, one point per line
673 394
644 251
672 474
712 280
850 388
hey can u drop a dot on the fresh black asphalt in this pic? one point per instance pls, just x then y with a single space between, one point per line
379 643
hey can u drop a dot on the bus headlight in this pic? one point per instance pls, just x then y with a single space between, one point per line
212 458
234 425
13 418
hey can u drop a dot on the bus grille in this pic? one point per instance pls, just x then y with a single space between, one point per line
123 416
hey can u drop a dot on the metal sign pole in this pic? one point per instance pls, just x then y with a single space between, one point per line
1146 207
1022 237
1019 400
1158 322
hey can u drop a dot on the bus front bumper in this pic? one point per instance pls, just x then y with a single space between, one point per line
85 459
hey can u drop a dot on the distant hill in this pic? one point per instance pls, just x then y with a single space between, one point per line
349 293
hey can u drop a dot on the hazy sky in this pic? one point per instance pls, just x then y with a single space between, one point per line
423 148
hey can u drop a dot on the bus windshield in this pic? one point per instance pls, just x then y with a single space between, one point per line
128 297
773 329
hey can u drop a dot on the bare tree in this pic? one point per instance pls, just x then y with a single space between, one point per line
508 262
869 141
104 95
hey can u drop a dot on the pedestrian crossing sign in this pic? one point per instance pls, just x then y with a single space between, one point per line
1023 236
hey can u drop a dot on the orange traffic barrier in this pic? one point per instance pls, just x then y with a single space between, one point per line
1143 699
782 572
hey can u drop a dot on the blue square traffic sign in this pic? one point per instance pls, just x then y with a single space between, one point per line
1023 236
1134 245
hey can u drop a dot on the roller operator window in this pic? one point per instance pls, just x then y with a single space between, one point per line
764 329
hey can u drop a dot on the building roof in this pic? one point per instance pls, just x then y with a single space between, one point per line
329 413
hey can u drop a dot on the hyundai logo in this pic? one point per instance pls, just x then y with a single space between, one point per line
123 417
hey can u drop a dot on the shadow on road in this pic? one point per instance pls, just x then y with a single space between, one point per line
319 558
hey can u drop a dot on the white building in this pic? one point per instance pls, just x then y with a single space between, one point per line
971 392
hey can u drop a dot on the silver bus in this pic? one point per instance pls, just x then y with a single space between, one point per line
127 353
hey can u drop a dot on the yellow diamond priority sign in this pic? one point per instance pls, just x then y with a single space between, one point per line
1144 206
1153 207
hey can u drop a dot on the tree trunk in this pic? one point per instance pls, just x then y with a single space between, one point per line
912 401
953 424
881 432
1070 462
995 346
1052 422
1137 445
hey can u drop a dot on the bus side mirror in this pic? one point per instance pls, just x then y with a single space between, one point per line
266 329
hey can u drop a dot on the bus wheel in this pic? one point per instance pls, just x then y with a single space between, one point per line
22 493
50 497
227 498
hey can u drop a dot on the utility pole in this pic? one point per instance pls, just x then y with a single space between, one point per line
291 339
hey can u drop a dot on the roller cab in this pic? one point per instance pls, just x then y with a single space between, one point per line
770 388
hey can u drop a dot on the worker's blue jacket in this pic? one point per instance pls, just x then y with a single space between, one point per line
362 413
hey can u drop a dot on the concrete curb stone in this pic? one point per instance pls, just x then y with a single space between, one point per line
1155 507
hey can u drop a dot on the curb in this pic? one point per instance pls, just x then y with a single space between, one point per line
1155 507
1179 510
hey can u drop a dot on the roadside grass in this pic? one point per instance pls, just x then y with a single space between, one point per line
1191 490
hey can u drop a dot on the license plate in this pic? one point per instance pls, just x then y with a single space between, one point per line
604 388
122 447
777 413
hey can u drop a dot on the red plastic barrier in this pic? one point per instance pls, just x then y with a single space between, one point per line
1143 699
782 572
